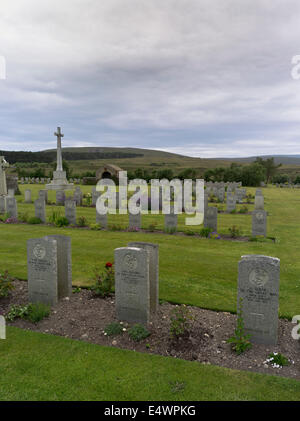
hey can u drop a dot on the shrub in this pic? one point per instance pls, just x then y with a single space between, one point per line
34 220
61 221
170 230
243 209
190 232
115 227
152 227
276 360
5 284
32 312
240 342
104 282
54 216
37 312
23 217
233 211
214 236
113 329
11 220
82 221
88 199
138 332
234 231
181 319
204 232
16 312
95 227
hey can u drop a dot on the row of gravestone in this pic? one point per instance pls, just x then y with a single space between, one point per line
238 194
30 180
137 283
288 186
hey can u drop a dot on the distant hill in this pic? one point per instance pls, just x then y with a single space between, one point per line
279 159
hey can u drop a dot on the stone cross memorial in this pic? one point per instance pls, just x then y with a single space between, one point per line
3 185
258 287
59 181
152 249
132 284
49 269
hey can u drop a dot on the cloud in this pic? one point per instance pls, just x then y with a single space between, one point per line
191 76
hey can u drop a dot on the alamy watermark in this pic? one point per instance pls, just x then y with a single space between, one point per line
165 196
296 329
295 73
2 68
2 328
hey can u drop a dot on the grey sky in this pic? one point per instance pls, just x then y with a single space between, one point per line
201 78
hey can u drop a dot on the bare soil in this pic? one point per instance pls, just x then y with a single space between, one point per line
84 316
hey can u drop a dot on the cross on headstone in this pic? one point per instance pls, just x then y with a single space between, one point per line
59 135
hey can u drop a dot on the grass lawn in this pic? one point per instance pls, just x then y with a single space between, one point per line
193 271
39 367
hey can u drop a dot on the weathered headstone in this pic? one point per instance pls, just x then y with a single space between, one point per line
153 251
135 221
171 221
28 196
60 197
259 223
95 195
70 211
101 219
258 288
259 201
231 202
132 284
49 269
2 205
11 206
43 194
40 209
78 195
211 218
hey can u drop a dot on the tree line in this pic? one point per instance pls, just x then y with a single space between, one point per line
49 156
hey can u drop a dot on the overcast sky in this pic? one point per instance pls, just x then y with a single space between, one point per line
196 77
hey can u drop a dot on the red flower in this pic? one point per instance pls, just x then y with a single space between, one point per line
108 265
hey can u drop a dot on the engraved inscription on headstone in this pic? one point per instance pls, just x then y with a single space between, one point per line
132 284
135 221
258 286
49 269
259 223
211 218
153 271
70 211
40 211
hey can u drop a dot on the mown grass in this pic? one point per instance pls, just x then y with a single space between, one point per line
193 270
40 367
